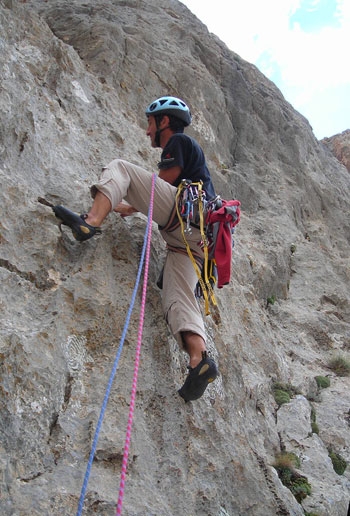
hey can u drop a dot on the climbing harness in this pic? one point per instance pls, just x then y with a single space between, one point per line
190 204
145 257
216 220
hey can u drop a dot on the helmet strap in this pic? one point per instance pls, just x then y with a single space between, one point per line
157 138
157 135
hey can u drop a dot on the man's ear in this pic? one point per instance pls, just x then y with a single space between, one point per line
164 122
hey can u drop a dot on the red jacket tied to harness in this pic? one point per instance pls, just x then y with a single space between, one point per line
222 222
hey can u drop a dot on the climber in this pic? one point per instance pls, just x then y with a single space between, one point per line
181 158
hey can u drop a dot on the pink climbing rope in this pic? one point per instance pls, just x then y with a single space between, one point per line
137 355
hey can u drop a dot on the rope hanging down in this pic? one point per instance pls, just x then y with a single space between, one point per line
145 253
138 351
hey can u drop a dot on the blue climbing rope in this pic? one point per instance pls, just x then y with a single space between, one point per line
116 361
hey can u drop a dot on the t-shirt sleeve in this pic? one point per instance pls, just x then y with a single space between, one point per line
172 155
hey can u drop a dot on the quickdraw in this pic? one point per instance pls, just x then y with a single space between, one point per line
191 204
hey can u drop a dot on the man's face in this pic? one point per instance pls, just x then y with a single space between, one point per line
151 130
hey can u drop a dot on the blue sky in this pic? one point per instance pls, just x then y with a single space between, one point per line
301 45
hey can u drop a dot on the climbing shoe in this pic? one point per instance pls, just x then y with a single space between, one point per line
198 378
81 230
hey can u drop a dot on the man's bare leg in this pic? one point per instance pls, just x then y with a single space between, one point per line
99 210
195 345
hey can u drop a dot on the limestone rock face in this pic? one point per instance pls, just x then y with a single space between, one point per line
339 145
76 77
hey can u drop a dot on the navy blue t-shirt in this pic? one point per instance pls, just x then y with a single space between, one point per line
183 151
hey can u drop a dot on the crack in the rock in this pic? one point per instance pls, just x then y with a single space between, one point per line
39 283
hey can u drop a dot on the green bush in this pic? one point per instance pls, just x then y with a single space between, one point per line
339 464
322 382
283 392
287 387
286 460
340 365
281 397
299 485
271 300
314 425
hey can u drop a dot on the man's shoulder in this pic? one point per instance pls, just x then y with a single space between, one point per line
182 137
184 140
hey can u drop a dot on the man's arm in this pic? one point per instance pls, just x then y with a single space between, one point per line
124 209
170 174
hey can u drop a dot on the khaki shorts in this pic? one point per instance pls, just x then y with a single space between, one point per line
123 180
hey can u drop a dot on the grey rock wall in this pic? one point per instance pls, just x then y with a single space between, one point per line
75 80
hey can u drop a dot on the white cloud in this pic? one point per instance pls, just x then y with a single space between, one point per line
304 65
